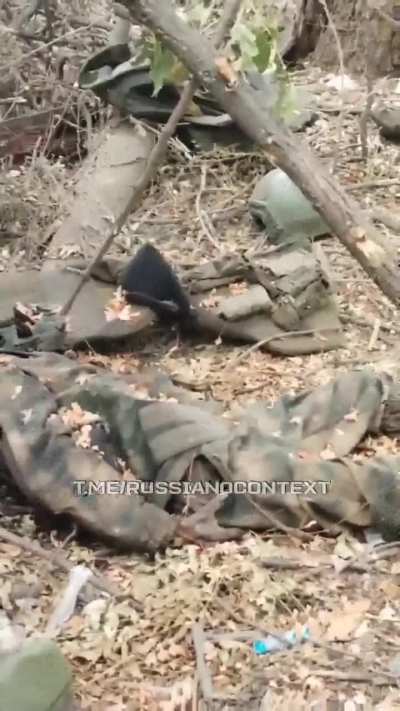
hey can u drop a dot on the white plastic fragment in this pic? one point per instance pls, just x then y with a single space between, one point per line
78 577
11 636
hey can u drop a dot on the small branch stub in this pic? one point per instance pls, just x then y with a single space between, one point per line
226 72
373 251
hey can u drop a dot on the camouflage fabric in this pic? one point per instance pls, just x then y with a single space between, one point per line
308 438
86 323
297 298
163 440
302 317
44 460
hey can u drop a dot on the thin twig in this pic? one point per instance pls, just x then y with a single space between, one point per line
365 116
157 154
342 74
37 50
390 220
359 677
274 522
200 215
374 335
373 184
390 20
275 337
383 552
298 565
55 558
203 672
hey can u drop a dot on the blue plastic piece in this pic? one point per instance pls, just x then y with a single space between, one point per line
278 643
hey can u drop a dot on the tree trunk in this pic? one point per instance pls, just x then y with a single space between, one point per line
253 112
305 30
367 29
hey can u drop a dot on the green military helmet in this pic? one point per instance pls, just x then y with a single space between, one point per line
285 212
36 677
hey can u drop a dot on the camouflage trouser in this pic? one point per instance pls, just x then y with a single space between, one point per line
303 439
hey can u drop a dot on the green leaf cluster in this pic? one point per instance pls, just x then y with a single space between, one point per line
253 46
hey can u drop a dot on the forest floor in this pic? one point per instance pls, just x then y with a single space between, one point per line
122 656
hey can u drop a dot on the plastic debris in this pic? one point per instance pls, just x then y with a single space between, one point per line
278 643
11 636
78 577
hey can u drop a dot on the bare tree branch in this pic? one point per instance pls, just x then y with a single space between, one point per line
231 9
252 111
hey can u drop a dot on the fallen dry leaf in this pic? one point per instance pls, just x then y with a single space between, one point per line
343 624
119 309
83 378
238 288
352 416
211 301
75 416
141 393
295 420
83 438
69 250
26 416
17 391
390 589
395 568
328 453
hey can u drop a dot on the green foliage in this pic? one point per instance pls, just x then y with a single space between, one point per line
162 63
199 13
165 67
244 41
266 57
285 104
253 46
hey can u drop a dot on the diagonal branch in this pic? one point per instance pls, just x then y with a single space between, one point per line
252 111
229 15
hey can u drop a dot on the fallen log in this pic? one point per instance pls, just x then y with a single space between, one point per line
103 192
257 117
102 196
